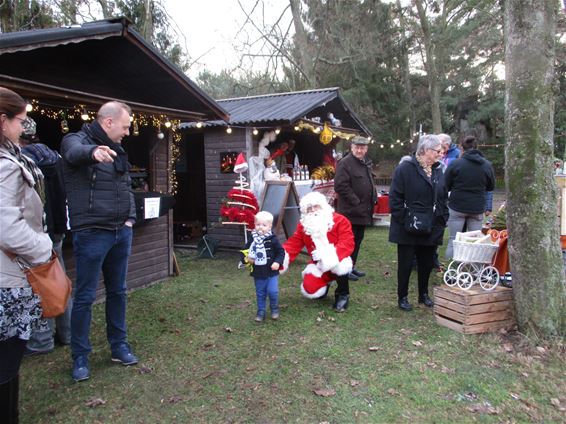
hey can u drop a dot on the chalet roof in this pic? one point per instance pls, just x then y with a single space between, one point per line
288 108
99 61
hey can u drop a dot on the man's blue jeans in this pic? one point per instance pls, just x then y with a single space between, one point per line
96 250
267 287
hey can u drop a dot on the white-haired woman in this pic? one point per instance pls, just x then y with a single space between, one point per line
417 199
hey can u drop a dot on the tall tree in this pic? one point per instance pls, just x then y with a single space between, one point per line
538 272
431 67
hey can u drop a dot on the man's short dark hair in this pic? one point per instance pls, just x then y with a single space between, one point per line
469 142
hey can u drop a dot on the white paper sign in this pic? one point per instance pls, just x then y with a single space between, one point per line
151 207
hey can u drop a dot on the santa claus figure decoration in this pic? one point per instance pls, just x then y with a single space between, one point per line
329 241
240 205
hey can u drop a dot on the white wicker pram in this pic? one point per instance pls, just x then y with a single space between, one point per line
473 254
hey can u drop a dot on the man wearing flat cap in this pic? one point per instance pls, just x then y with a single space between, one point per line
356 193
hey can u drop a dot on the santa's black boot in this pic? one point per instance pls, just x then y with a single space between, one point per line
341 302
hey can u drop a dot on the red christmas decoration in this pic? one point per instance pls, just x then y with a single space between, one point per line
240 204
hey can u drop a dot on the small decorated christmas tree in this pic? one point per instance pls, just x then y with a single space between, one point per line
240 205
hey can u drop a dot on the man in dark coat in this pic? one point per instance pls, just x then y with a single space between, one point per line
417 185
102 212
356 193
55 206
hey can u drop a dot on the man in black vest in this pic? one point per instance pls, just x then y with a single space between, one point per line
102 212
356 193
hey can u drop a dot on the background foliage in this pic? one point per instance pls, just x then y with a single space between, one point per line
387 58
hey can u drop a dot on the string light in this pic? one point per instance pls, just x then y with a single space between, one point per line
229 130
255 131
168 124
277 131
297 128
29 107
381 145
135 129
84 115
199 124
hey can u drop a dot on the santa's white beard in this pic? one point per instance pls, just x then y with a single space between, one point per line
317 223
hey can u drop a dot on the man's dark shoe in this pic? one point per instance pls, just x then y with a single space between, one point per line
80 368
427 301
405 305
358 273
341 303
353 277
124 355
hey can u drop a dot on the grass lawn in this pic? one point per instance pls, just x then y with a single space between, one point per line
205 360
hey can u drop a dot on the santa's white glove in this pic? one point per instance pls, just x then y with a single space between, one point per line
315 255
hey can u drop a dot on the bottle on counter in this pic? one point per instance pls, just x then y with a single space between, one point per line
307 173
296 173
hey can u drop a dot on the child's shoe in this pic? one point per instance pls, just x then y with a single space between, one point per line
259 317
275 315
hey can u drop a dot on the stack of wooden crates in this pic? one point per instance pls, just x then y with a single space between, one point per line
474 310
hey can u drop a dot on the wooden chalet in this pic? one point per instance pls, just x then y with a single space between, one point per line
294 115
68 72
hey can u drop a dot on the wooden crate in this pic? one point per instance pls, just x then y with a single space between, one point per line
475 310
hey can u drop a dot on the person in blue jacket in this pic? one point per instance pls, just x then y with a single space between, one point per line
449 149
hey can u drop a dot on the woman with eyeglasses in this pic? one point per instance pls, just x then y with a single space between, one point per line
22 230
417 199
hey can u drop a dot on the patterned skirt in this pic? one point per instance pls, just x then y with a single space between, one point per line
20 313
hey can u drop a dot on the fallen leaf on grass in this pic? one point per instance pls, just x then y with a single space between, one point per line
208 346
175 399
556 403
392 392
483 408
228 330
386 274
507 347
541 349
354 383
324 392
468 396
374 348
417 343
144 370
515 396
203 300
94 402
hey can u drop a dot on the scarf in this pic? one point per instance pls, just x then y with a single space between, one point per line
257 248
101 138
28 164
426 168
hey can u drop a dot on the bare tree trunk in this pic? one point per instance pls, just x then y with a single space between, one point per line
404 65
432 74
147 30
302 44
534 248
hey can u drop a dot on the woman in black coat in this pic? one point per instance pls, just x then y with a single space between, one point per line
417 185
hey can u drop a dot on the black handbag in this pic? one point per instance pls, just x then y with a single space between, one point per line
419 218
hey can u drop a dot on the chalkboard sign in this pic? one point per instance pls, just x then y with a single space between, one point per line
281 199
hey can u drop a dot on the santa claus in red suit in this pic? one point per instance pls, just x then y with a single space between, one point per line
329 241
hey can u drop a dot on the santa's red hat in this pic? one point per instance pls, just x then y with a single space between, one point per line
241 165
